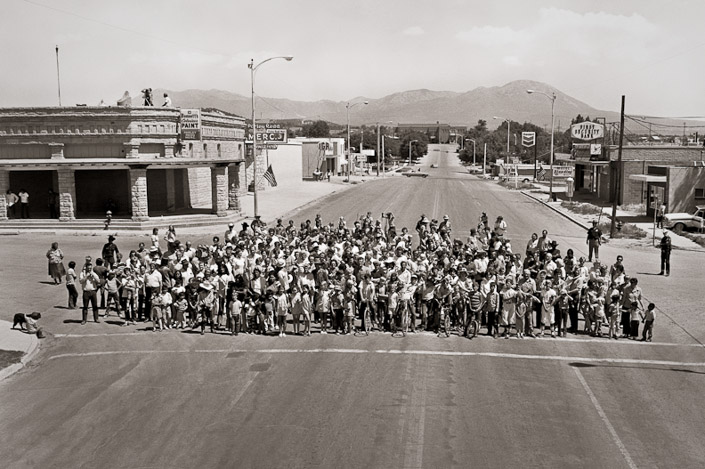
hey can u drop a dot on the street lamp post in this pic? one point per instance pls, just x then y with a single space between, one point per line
552 97
413 141
253 68
508 125
380 138
473 149
349 106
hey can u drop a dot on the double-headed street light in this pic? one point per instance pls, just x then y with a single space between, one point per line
253 68
413 141
349 106
552 97
508 125
473 149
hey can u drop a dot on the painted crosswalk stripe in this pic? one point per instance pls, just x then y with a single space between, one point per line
449 353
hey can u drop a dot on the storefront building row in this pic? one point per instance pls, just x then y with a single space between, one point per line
678 170
137 162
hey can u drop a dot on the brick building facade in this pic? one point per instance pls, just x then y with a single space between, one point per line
136 161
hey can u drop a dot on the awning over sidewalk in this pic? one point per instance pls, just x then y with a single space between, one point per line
647 178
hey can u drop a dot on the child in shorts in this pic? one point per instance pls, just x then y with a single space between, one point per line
234 312
157 312
648 320
349 315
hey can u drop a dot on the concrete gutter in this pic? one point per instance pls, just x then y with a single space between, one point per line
560 212
30 349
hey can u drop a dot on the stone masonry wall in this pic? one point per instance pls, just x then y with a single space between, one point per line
200 187
138 194
219 185
4 186
67 194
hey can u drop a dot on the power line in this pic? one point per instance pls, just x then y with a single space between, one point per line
656 124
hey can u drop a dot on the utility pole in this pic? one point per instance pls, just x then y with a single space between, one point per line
619 172
484 162
58 76
377 149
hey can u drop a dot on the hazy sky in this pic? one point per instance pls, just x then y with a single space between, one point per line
594 50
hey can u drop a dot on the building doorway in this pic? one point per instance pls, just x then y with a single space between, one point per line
99 190
37 184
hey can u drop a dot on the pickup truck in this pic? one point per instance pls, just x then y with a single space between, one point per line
681 221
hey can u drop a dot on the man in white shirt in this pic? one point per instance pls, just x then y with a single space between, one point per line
24 204
11 200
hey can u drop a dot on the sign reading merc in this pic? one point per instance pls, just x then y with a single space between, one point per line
268 133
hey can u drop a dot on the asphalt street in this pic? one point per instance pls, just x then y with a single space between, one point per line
102 396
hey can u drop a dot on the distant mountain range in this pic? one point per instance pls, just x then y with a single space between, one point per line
510 101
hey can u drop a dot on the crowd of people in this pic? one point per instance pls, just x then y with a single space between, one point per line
341 277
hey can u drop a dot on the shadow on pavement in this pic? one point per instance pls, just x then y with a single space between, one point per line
590 365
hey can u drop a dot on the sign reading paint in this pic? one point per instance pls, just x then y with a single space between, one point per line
587 131
190 124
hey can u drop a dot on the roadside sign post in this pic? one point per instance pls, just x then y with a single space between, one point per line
656 197
569 189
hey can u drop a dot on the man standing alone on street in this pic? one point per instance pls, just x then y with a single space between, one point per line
666 254
594 239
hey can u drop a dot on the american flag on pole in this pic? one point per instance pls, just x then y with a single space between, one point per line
269 176
541 174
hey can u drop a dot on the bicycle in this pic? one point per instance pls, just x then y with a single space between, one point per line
474 324
444 321
366 325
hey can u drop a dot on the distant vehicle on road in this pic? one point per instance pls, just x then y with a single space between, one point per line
434 165
682 221
412 174
475 169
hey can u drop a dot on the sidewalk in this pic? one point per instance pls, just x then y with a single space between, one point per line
15 340
584 221
273 202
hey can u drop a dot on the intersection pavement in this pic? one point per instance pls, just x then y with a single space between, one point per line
106 396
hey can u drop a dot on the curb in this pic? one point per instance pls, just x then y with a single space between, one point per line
12 369
560 212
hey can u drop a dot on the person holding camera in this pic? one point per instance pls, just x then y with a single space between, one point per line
90 283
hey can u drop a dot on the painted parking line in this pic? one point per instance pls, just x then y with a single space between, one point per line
513 356
605 420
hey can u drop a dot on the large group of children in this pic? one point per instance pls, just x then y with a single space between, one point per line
337 275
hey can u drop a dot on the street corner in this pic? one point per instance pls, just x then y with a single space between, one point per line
17 348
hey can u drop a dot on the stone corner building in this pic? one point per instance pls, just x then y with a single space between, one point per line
138 162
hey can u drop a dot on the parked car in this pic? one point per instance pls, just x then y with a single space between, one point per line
434 165
682 221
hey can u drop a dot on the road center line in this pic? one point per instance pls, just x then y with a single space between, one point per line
514 356
605 420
